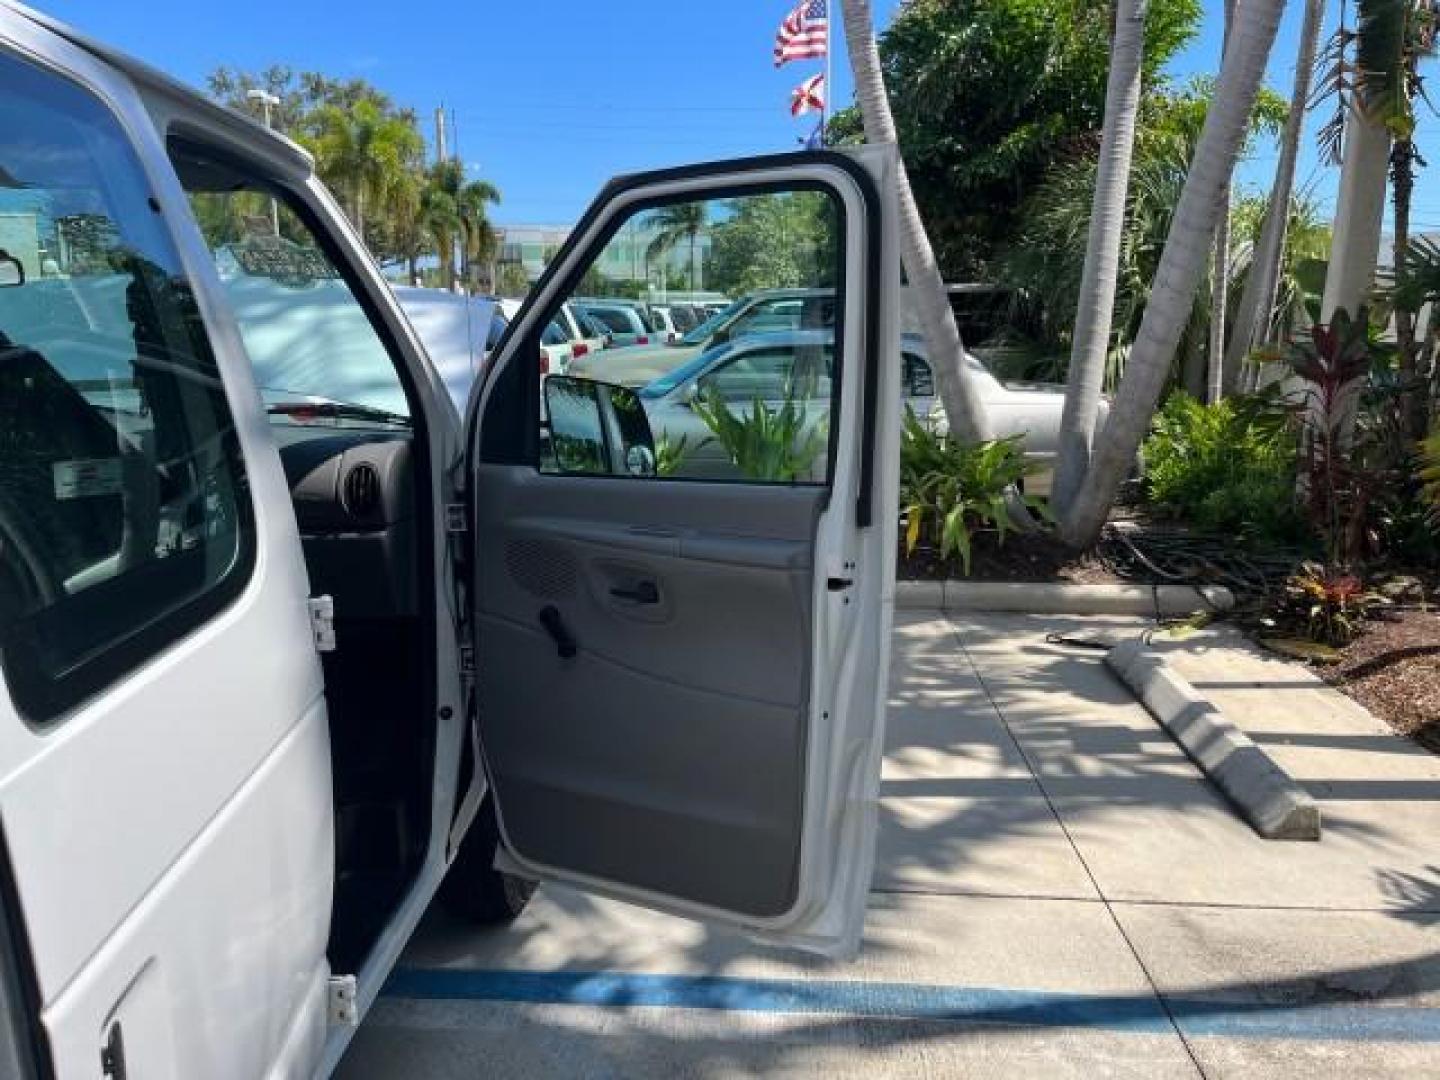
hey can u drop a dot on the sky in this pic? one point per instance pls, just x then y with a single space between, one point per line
551 100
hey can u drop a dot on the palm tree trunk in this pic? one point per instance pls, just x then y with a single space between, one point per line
1220 271
958 394
1257 303
1096 310
1413 392
1182 265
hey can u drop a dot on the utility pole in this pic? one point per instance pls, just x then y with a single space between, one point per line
440 154
267 102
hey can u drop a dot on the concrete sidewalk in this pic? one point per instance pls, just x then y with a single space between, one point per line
1058 893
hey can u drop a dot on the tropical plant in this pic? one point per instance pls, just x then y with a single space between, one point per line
675 224
454 213
1339 485
671 454
950 489
1046 259
777 445
364 153
1228 466
1181 267
959 393
1324 604
1428 472
1259 304
1095 311
987 94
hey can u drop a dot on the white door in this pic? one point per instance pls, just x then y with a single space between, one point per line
164 759
681 682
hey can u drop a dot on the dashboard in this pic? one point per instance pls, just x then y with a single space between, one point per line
354 497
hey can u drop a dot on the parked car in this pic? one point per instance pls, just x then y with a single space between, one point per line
795 365
457 331
625 320
672 321
756 313
262 657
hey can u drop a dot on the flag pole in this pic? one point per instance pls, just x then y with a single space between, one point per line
825 97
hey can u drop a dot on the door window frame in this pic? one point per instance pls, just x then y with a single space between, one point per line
515 438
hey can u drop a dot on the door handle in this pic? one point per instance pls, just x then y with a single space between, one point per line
565 643
643 592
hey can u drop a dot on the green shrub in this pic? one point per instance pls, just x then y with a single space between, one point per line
775 445
950 489
1229 467
1429 475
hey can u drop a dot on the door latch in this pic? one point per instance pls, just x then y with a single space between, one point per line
112 1054
343 1010
322 622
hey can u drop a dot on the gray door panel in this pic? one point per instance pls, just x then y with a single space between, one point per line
668 752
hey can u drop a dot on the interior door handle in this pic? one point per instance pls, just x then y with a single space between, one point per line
643 592
554 625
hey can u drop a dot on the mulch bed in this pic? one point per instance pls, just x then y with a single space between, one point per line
1020 558
1393 669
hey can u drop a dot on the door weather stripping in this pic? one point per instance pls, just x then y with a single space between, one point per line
343 1011
322 622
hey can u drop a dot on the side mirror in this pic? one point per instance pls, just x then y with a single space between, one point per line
12 271
597 429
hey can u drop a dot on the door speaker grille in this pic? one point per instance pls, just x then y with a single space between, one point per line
542 568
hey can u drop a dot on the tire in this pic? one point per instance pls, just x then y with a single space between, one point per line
473 889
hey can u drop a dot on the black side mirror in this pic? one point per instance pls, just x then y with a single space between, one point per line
596 428
12 271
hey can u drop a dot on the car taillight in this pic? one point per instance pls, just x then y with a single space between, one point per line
579 350
642 340
544 363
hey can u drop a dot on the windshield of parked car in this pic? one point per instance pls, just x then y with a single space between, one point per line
684 373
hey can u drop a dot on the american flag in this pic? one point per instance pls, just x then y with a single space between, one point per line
809 96
805 33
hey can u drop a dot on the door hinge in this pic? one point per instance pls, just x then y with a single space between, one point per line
455 519
322 622
344 1012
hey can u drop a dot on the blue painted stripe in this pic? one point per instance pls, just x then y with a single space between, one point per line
1201 1018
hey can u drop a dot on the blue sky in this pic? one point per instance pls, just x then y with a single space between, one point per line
551 100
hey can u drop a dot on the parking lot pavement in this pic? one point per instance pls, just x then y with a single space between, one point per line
1058 893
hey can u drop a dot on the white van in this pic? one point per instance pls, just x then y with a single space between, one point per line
276 661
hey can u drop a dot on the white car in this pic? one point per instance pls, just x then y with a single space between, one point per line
770 367
264 654
457 331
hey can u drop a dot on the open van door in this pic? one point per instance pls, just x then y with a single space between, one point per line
681 682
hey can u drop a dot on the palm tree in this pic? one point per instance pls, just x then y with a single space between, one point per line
454 210
674 223
1181 267
1372 134
481 242
1220 269
958 394
1095 313
364 153
1255 316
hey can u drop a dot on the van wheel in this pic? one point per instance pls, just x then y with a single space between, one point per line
473 889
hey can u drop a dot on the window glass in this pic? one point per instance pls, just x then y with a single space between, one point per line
308 337
124 510
554 335
752 405
919 379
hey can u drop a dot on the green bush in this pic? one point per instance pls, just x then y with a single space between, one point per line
950 489
1229 467
778 445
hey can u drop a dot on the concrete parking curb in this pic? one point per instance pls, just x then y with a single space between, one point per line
1271 801
1060 598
